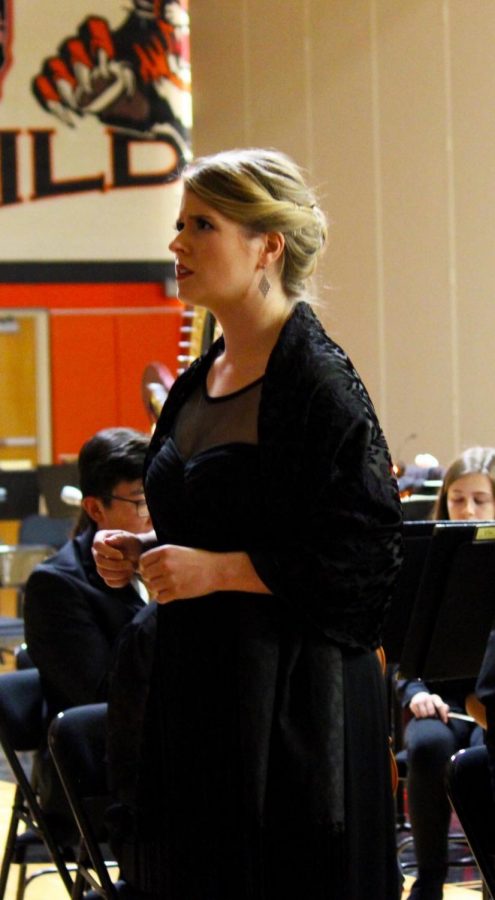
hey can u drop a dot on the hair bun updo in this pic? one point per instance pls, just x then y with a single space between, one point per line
264 190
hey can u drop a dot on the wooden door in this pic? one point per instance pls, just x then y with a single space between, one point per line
24 425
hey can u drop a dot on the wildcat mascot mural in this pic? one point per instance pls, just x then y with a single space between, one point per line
135 78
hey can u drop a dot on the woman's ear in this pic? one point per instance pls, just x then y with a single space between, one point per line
273 249
93 508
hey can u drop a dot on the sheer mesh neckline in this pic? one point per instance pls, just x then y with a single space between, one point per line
232 394
204 422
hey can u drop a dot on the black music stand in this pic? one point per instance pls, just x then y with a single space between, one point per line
51 479
21 493
454 608
417 538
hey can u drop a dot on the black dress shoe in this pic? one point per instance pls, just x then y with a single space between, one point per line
428 886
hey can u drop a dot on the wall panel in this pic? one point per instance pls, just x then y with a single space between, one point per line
396 127
343 154
282 40
416 251
218 60
472 43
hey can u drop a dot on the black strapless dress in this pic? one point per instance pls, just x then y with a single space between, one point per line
209 501
199 838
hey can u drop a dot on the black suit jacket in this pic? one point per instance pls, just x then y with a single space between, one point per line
72 623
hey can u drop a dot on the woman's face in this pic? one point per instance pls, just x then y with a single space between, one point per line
217 261
471 497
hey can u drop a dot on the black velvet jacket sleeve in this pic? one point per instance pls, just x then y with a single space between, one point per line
337 560
331 501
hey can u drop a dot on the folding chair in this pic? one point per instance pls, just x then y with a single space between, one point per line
11 632
22 657
470 794
21 730
77 741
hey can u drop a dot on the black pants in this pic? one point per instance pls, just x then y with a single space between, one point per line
430 744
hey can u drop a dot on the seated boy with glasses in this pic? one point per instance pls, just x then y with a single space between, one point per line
73 620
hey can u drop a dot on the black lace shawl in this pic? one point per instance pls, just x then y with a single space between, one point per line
334 521
330 497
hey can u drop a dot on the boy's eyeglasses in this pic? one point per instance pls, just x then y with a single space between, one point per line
141 505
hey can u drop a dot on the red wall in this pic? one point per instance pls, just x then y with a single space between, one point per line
102 336
74 296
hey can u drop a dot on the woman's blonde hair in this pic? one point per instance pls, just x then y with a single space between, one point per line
264 190
474 461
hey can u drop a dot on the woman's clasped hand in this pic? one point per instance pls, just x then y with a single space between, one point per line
116 555
170 572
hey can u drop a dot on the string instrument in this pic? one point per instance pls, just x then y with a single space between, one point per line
197 330
156 382
476 710
394 772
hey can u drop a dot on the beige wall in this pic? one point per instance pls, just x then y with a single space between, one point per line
390 104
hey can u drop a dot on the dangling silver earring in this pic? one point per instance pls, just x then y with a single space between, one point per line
264 285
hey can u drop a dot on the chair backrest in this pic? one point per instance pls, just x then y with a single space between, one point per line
77 742
21 711
470 794
38 529
21 730
417 507
22 657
